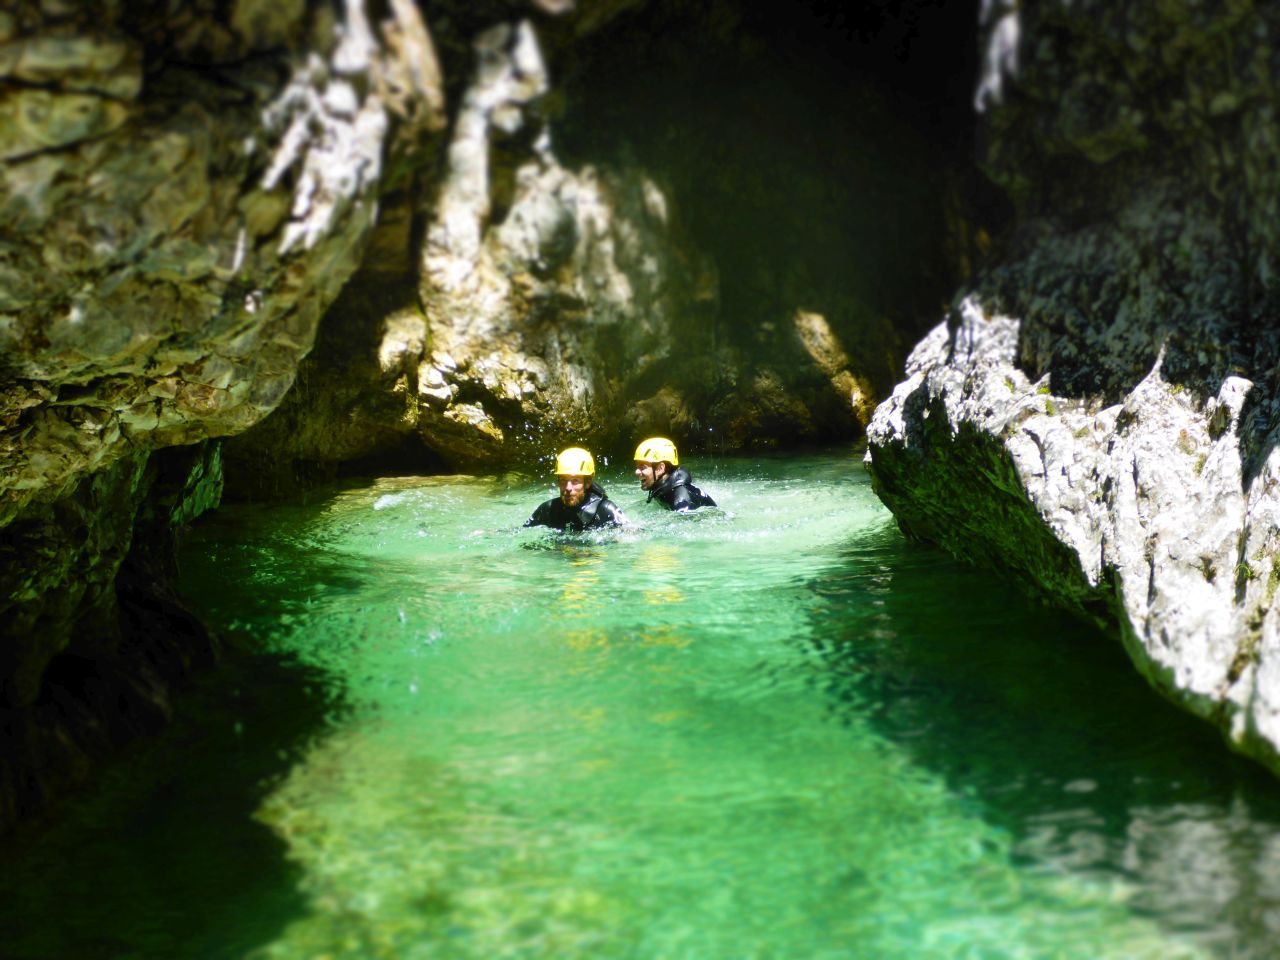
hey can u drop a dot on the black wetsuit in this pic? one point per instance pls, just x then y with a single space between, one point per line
676 492
597 510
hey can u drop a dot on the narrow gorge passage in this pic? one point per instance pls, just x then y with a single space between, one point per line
777 730
254 247
299 300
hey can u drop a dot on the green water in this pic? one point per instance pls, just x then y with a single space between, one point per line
773 731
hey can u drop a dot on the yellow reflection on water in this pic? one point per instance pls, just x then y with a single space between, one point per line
586 639
581 587
659 561
658 558
666 636
663 595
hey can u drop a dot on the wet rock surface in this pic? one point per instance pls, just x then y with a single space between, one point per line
1097 416
96 639
182 196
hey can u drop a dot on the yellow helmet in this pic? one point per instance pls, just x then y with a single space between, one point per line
575 462
657 450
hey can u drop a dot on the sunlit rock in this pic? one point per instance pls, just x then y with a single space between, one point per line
1135 514
1098 415
541 302
166 249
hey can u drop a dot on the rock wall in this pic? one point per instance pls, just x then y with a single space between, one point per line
565 272
95 639
181 199
522 312
183 192
1097 416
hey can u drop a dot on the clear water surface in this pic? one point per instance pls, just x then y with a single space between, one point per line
777 730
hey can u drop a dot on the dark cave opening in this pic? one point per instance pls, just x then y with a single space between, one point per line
823 153
819 158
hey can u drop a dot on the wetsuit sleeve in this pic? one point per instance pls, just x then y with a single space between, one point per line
539 518
610 514
683 499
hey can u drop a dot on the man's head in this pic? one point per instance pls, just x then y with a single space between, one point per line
655 458
575 470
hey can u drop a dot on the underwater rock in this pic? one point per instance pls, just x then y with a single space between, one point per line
1098 416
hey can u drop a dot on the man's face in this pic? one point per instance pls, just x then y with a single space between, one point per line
650 473
573 490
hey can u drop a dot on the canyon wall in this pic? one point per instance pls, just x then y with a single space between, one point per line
1096 416
182 196
609 242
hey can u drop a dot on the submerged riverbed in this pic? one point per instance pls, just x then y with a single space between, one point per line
775 730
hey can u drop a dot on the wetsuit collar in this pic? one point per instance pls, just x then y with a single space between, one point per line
678 477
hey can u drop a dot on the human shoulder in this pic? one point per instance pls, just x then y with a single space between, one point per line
544 514
686 495
610 512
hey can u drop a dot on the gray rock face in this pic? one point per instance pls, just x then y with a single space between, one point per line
1098 415
538 304
1134 514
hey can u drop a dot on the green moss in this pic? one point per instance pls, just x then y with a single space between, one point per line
1244 574
1247 652
1048 407
1273 581
1208 569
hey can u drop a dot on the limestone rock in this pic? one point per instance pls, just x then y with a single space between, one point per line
541 307
570 303
1098 417
516 305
